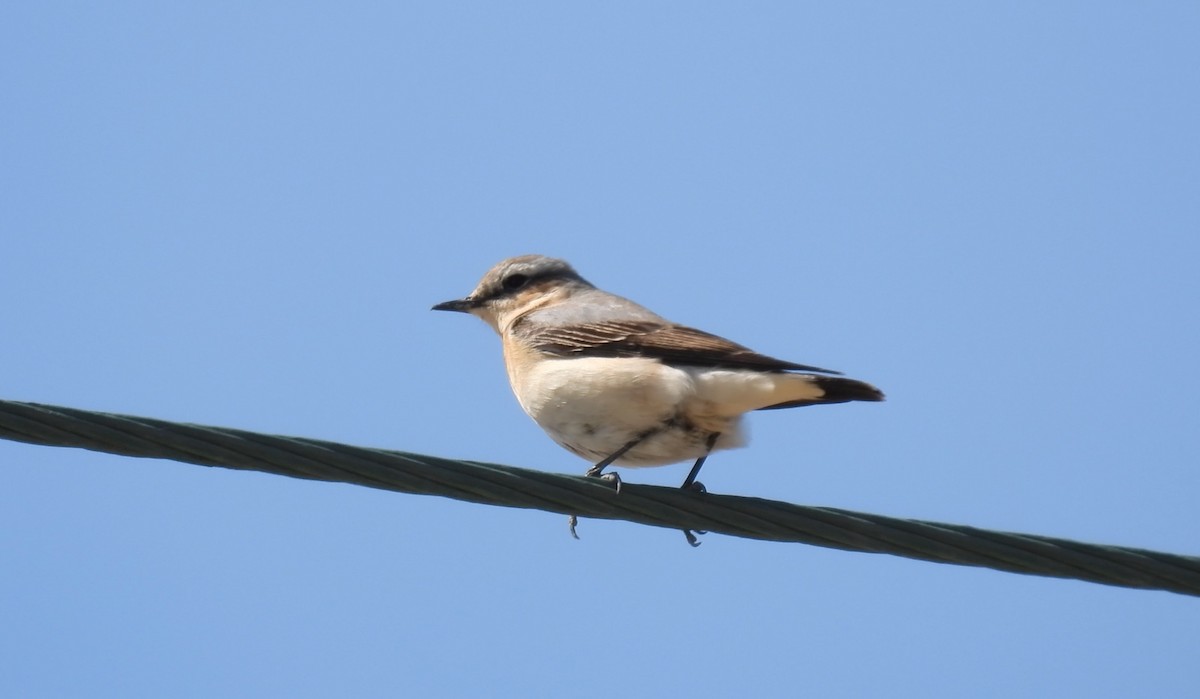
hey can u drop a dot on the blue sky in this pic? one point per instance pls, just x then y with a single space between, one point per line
240 214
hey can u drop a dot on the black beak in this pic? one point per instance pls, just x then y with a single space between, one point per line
460 305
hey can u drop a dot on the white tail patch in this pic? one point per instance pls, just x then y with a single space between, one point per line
733 392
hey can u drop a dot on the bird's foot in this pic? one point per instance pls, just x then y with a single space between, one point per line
694 487
691 536
611 477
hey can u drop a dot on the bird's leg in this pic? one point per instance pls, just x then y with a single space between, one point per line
690 483
597 471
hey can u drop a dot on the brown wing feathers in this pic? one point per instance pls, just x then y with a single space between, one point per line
674 344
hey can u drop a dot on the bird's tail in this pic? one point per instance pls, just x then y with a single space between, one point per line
810 389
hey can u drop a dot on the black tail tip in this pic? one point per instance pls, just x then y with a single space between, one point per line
839 390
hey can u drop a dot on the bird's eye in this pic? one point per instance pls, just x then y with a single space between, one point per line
515 281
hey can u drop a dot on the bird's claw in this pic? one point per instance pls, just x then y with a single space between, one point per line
690 534
695 487
611 477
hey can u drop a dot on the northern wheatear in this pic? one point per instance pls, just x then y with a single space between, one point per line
617 384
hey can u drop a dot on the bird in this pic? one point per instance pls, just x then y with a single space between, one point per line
619 385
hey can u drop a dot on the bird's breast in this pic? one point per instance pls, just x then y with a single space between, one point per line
626 392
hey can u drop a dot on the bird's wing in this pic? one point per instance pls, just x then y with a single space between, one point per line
672 344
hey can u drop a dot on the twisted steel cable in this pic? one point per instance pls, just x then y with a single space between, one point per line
510 486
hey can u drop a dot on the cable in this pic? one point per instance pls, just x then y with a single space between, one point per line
510 486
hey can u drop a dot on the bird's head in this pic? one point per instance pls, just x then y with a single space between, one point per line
517 286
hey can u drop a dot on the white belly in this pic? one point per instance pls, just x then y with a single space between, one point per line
593 406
